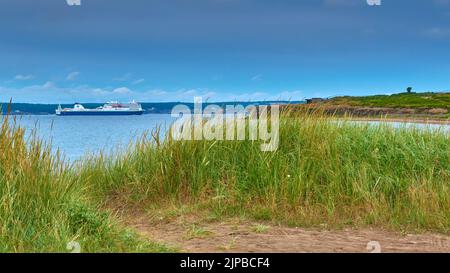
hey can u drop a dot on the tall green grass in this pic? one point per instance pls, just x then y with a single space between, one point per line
43 205
326 172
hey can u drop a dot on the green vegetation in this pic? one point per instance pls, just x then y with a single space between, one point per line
402 100
259 228
43 205
197 232
326 172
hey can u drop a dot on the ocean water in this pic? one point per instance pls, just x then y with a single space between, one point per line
78 136
423 126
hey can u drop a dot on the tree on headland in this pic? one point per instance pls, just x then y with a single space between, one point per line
409 89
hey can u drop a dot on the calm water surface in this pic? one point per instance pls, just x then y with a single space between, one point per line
77 136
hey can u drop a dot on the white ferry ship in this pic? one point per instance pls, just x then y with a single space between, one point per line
109 109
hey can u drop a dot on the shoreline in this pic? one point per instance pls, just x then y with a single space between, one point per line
404 120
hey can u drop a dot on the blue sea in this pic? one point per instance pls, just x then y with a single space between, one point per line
78 136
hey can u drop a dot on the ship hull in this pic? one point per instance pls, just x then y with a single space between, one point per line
99 113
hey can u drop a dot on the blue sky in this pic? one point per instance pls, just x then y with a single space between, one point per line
173 50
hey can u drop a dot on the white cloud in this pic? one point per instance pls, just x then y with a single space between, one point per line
122 90
48 85
158 92
128 77
72 76
50 92
138 81
191 92
21 77
99 92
